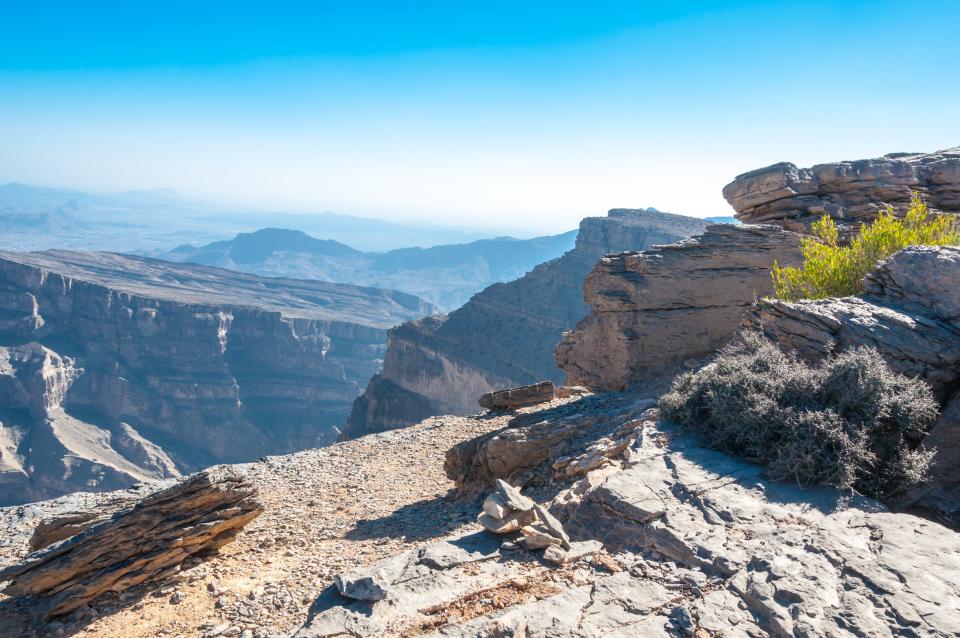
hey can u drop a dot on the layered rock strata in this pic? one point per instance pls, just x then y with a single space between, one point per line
117 369
505 335
652 311
910 313
850 192
141 544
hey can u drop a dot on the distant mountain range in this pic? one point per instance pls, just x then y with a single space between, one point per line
38 218
446 275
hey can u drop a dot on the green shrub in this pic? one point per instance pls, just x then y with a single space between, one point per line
834 269
850 423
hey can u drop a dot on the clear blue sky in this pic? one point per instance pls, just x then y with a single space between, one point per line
522 115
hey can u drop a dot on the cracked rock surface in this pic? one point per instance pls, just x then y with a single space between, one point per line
695 542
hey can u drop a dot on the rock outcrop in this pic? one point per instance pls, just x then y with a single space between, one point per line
117 369
667 539
652 311
850 192
144 543
909 313
505 335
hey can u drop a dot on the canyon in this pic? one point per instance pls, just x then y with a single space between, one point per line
505 335
563 511
117 369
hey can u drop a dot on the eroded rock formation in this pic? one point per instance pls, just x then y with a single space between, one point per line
652 311
505 335
141 544
117 369
850 192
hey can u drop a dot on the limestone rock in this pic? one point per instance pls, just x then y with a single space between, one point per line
364 584
850 192
550 443
505 335
577 550
141 543
508 523
520 397
652 311
513 498
802 561
700 543
552 525
130 369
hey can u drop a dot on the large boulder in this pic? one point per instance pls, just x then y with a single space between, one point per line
850 192
651 311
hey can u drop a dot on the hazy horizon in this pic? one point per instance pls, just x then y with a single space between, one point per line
521 118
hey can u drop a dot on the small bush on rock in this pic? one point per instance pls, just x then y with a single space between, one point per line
850 423
834 269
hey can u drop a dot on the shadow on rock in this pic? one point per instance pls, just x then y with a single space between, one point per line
422 520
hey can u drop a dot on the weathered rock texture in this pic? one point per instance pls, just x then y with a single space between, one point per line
695 543
651 311
520 397
911 315
116 369
141 544
505 335
850 192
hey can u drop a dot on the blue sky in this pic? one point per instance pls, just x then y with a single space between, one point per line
517 116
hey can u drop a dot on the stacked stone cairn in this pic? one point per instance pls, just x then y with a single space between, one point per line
507 511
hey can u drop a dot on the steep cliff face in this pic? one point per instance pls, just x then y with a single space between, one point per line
651 311
850 192
505 335
117 369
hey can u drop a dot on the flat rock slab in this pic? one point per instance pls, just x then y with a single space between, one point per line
803 561
139 544
520 397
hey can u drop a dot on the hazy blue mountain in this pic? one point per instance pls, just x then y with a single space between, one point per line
37 218
446 275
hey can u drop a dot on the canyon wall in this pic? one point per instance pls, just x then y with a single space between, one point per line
505 335
117 369
652 311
